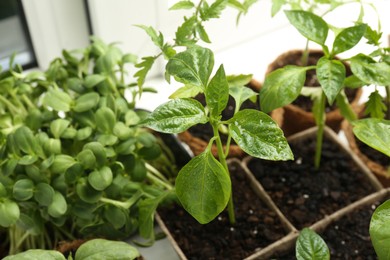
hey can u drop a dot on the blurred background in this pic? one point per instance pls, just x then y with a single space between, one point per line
38 30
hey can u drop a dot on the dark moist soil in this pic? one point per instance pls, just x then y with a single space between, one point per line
349 238
303 102
256 226
304 194
205 131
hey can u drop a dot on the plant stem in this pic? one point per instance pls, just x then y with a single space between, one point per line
320 121
305 54
222 160
153 178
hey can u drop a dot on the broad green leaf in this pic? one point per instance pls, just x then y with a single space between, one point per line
105 249
192 67
158 40
73 173
345 108
188 91
281 87
83 133
239 80
100 179
353 82
58 100
310 246
176 116
369 71
99 152
116 216
44 194
25 140
331 75
182 5
348 38
9 212
241 94
217 93
309 25
105 120
61 163
37 254
86 102
258 135
35 174
86 192
76 85
139 171
380 230
144 68
52 146
203 187
202 33
58 206
28 160
58 126
107 140
23 189
374 132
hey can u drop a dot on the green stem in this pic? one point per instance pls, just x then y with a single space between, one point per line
305 54
126 204
320 132
222 160
13 109
153 178
158 174
28 102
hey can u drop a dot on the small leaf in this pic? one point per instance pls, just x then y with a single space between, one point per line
369 71
309 25
176 116
105 249
375 107
202 33
9 212
331 75
86 192
158 40
86 102
182 5
25 140
258 135
58 100
91 81
241 94
44 194
239 80
87 159
83 133
276 6
310 246
23 189
58 206
217 93
37 254
116 216
380 230
214 10
99 152
192 67
374 132
105 120
203 187
348 38
144 68
100 179
58 126
345 108
185 32
61 163
281 87
188 91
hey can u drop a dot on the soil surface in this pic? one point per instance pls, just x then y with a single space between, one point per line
305 194
348 238
256 226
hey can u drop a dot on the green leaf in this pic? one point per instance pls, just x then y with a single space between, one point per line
99 152
348 38
144 68
58 127
241 94
58 206
116 216
217 93
331 75
192 67
158 40
83 133
105 120
105 249
345 108
58 100
369 71
52 146
373 37
374 132
176 116
353 82
281 87
182 5
309 25
276 6
28 160
185 32
100 179
239 80
61 163
3 190
258 135
86 192
31 223
25 140
37 254
310 246
202 33
188 91
214 10
9 212
86 102
380 230
23 189
203 187
375 107
76 85
44 194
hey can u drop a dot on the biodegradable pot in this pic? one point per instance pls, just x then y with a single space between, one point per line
374 160
197 137
268 228
297 116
